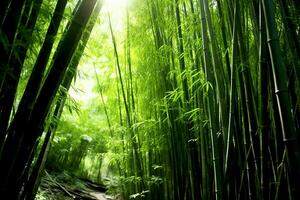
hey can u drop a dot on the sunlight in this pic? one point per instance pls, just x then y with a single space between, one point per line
116 9
113 4
84 85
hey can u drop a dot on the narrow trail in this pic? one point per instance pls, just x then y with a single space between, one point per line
99 195
73 189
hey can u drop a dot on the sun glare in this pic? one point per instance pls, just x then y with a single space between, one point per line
111 5
116 9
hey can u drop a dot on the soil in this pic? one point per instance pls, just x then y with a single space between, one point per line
66 187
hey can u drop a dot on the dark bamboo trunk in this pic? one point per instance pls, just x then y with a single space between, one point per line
8 30
15 63
23 136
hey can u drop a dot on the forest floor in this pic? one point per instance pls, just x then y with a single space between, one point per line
66 187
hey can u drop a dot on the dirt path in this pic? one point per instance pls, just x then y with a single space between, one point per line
51 185
99 195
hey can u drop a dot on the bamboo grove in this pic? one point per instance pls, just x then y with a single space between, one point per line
218 84
204 101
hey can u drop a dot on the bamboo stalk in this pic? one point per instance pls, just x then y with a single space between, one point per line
290 138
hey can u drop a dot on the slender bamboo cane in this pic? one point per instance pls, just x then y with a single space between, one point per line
8 32
290 138
211 107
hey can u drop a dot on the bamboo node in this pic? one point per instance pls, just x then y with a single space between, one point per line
280 91
289 140
272 39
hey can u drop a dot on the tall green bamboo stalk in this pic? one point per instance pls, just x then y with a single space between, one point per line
290 138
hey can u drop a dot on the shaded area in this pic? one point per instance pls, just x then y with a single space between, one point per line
64 186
